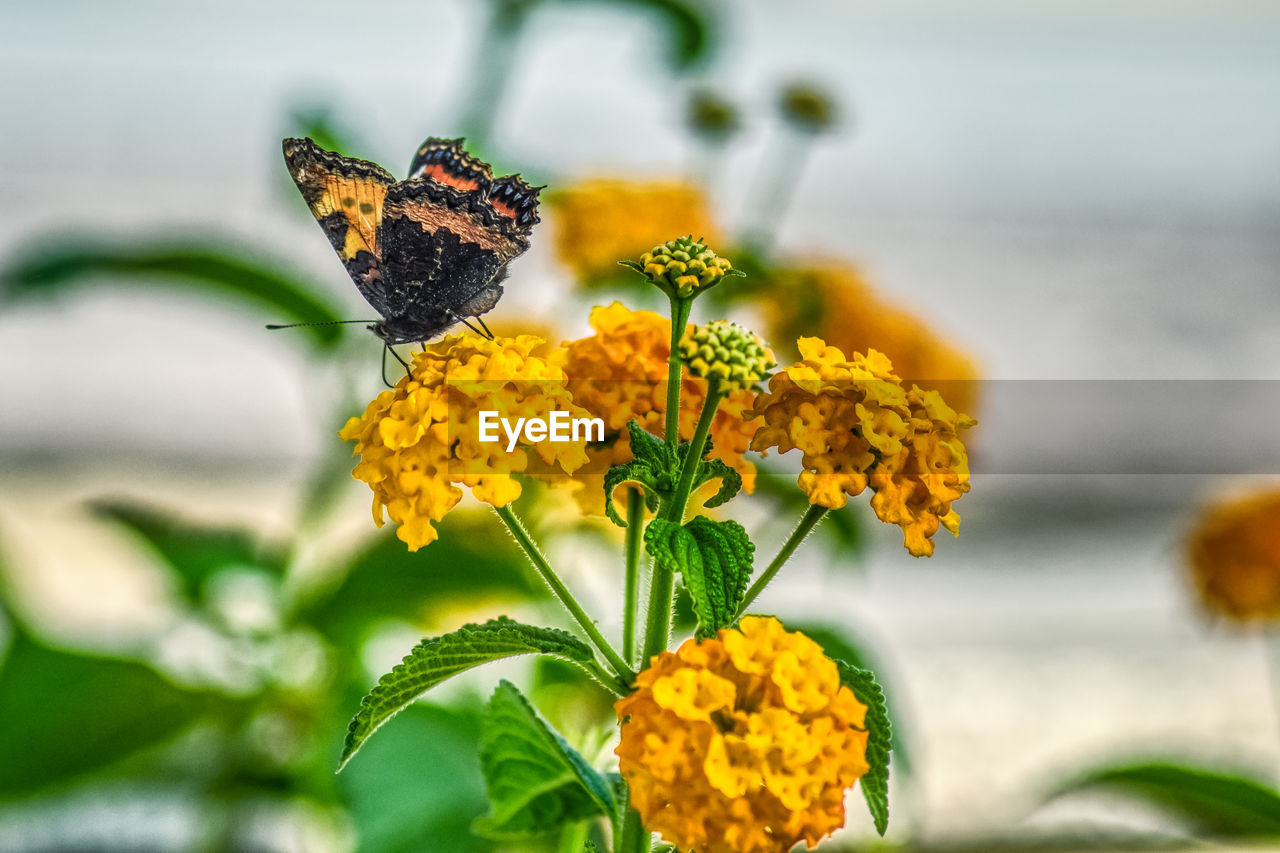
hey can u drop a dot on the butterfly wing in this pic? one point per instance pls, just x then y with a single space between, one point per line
512 198
444 249
347 197
445 162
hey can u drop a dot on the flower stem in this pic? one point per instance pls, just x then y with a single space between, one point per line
657 626
808 521
679 317
635 838
635 524
492 68
571 604
1271 660
693 456
775 184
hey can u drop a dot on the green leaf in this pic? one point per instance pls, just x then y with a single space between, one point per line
64 714
536 781
844 645
653 466
1217 804
875 784
688 27
201 267
730 480
419 786
438 658
384 580
714 559
645 445
195 552
636 472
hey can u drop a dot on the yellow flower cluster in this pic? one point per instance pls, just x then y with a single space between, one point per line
834 302
419 439
598 222
620 373
745 743
858 425
1235 558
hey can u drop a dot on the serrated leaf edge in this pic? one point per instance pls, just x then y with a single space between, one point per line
359 730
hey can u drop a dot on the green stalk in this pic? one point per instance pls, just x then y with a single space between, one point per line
657 628
693 458
573 837
571 604
492 68
808 521
775 185
635 525
1271 657
635 838
679 318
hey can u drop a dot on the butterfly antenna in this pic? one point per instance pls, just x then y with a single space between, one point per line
275 326
488 333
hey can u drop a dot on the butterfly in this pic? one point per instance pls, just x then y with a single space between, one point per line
426 252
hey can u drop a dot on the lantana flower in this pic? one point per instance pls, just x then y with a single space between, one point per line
744 743
1234 553
857 425
421 439
619 373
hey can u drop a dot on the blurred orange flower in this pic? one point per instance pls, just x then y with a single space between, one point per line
834 302
599 222
620 373
1234 552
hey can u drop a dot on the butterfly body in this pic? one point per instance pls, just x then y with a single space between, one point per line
425 252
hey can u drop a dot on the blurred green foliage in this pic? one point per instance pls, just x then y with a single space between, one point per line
206 270
1212 803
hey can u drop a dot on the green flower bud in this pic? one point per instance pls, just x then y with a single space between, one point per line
711 116
737 356
807 107
683 266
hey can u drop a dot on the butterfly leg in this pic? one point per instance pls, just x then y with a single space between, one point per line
487 333
464 322
386 348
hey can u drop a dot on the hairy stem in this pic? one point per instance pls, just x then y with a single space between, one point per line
679 318
657 628
693 457
571 604
808 521
635 525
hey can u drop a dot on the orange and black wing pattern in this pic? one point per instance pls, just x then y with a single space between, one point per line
346 196
444 161
427 251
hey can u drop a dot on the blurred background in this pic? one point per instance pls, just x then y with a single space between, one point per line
1065 214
